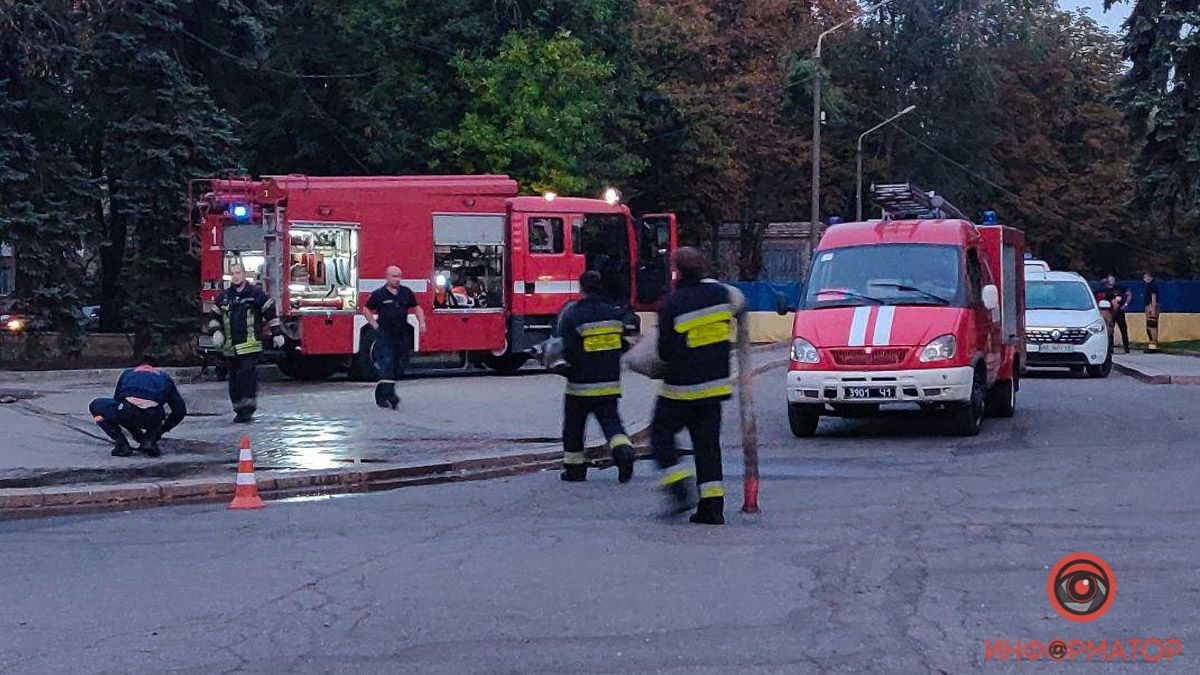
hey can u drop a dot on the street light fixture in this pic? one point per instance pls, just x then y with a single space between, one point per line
858 166
815 219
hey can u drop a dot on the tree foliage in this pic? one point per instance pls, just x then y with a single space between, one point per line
702 107
539 111
1160 97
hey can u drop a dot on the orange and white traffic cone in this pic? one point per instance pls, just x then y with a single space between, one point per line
245 496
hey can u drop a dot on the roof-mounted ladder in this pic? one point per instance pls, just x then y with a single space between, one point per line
905 201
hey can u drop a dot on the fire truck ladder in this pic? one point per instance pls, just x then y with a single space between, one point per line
905 201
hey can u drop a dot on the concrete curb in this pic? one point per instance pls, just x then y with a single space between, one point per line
1154 379
17 502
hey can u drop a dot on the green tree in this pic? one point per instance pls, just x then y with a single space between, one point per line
1160 95
45 196
149 124
540 111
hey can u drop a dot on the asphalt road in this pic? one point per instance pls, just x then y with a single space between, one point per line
882 546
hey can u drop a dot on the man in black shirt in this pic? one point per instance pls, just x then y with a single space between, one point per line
1150 301
1119 297
387 311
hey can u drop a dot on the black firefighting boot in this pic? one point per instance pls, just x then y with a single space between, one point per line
623 457
574 473
244 410
120 443
149 444
381 395
710 511
678 491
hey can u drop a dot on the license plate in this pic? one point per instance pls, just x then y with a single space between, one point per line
1058 349
870 392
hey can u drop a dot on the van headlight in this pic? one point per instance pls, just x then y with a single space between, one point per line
939 349
803 351
1097 327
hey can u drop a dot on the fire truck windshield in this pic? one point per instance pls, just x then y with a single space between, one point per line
889 274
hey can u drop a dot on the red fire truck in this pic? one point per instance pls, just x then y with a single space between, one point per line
923 308
491 269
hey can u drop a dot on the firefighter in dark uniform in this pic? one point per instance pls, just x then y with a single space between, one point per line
693 342
592 332
387 311
245 311
138 405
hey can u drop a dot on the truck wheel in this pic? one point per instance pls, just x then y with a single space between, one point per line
1101 370
307 368
803 419
1002 399
967 420
362 368
505 363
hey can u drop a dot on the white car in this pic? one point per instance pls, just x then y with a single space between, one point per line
1063 324
1032 266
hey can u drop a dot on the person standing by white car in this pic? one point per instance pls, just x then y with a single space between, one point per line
1064 326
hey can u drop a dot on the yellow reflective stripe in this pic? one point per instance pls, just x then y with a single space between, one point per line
600 328
572 458
248 347
708 334
712 489
696 391
700 317
606 342
676 476
594 388
619 440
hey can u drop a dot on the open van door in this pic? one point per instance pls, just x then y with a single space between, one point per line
656 243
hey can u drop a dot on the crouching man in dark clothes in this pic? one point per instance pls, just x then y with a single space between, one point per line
137 406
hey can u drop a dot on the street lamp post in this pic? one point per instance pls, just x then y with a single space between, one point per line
814 220
858 169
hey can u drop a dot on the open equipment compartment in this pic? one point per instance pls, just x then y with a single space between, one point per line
322 266
468 262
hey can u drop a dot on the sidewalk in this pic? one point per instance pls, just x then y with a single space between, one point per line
307 435
1159 368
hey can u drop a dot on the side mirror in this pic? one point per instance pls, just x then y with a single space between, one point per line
781 304
1104 304
991 297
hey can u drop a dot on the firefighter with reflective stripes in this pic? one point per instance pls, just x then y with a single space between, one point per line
244 311
693 342
592 332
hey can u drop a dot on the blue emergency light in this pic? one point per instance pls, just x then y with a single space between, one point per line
1028 255
834 220
241 211
989 218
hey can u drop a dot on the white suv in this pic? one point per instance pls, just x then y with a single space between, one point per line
1063 324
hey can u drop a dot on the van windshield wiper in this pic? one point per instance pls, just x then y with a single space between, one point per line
849 294
914 289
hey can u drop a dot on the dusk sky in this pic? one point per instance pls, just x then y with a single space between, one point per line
1112 19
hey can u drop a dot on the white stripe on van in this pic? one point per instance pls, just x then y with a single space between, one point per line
414 285
858 327
883 326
